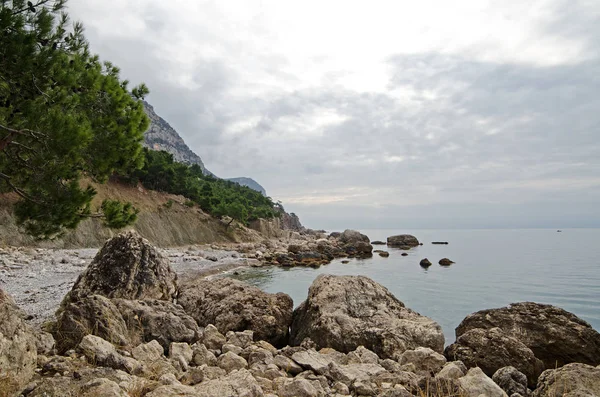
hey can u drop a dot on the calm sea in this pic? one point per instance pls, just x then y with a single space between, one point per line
493 268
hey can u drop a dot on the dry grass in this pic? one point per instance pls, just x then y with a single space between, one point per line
440 388
140 387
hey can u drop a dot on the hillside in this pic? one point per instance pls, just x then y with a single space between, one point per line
249 182
164 224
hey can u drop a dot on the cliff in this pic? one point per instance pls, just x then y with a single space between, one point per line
161 136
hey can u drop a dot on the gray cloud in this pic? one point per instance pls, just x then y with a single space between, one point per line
452 140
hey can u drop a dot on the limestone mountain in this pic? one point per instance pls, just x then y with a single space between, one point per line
161 136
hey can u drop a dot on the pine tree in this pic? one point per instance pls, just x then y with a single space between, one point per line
64 116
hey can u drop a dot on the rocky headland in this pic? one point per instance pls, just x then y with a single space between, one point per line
133 320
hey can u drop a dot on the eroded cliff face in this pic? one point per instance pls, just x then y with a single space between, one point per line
161 136
163 224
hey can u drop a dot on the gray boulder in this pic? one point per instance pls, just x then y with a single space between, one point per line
232 305
572 380
345 312
556 336
127 267
492 349
475 384
511 380
157 320
122 322
402 240
18 350
90 315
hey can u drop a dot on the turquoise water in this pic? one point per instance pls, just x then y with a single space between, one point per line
493 268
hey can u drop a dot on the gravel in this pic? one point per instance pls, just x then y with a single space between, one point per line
38 278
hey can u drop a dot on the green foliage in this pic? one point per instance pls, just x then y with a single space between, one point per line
189 203
118 215
215 196
64 115
168 204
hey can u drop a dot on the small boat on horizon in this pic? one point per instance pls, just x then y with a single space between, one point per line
559 231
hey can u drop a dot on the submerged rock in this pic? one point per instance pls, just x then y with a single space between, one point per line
232 305
402 240
344 312
556 336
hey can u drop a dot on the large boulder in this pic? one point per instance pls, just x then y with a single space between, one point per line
492 349
157 320
122 322
555 336
355 243
127 267
18 350
402 240
345 312
90 315
232 305
572 380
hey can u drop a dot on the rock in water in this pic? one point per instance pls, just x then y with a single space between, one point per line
232 305
556 336
425 262
491 349
355 244
18 351
345 312
127 267
402 240
445 262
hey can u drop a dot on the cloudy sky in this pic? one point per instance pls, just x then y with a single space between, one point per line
378 114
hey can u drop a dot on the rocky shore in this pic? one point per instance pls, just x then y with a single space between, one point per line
132 320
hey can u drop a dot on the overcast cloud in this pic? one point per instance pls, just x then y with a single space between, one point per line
381 113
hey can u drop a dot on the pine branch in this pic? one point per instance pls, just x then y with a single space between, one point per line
17 190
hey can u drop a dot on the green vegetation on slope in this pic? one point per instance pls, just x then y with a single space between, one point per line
64 115
216 196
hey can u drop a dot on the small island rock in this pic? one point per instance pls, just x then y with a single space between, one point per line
445 262
402 240
425 262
